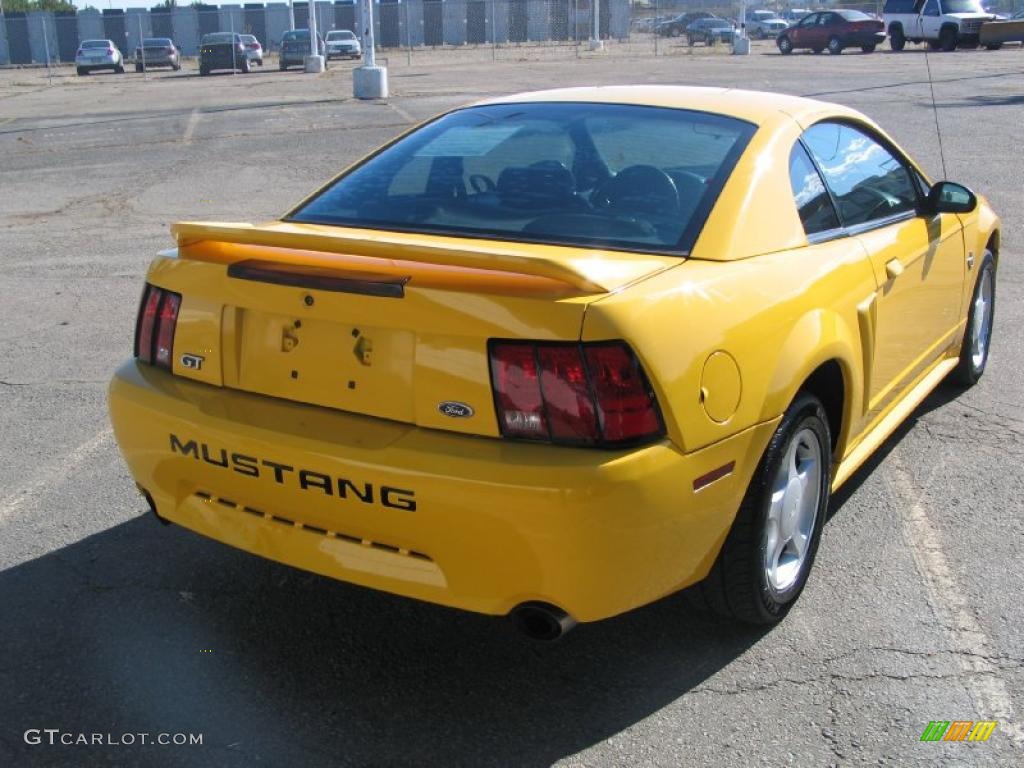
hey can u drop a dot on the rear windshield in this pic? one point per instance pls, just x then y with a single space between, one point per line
220 37
296 34
717 23
96 44
854 15
607 175
156 42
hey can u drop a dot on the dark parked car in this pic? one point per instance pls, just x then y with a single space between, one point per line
157 52
710 31
834 30
676 26
222 50
295 48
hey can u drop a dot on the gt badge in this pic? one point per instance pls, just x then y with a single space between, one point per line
455 409
192 362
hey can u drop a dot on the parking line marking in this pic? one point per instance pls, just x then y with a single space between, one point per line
53 474
190 126
402 113
948 601
6 120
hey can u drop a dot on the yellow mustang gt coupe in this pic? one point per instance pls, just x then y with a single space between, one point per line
557 355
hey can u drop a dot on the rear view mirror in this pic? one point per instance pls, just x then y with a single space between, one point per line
949 197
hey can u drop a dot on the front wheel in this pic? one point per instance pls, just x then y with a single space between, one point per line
785 45
835 45
978 335
768 554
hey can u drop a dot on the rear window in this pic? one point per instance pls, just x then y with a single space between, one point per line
607 175
156 42
296 34
899 6
96 44
853 15
219 37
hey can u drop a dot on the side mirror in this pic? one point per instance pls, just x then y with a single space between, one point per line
949 197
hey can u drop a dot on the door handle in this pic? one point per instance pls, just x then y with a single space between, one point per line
893 268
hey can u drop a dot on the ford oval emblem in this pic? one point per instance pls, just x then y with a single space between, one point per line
455 409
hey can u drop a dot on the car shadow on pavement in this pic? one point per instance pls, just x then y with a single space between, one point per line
151 629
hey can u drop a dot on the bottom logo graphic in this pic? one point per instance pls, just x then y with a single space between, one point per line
958 730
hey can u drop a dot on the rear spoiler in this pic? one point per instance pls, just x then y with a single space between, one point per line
314 245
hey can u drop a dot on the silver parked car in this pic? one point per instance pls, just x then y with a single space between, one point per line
343 43
253 49
98 54
157 52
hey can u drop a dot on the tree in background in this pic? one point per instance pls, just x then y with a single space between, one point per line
38 5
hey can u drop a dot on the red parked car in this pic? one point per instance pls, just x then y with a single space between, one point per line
834 30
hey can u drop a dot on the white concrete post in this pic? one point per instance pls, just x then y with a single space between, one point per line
369 81
314 62
596 44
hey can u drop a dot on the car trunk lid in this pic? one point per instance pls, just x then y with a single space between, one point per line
384 324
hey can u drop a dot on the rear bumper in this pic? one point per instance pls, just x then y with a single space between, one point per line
864 38
475 523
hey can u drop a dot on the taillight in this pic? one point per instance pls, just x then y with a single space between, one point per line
110 51
154 332
592 394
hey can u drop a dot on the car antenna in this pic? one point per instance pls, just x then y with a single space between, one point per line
935 113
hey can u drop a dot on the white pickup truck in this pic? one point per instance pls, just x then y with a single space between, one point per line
943 24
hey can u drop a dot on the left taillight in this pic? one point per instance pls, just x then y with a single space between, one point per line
157 321
590 394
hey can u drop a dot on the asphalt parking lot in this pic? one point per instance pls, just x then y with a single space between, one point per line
112 623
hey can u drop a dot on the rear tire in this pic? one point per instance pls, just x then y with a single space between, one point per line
993 46
767 556
138 68
119 69
897 41
246 69
82 71
835 46
785 45
203 71
870 48
974 350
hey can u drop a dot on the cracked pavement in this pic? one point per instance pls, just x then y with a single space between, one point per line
110 622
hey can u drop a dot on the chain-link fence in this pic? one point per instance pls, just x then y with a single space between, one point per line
420 31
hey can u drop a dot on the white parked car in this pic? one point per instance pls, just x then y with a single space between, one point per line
253 49
98 54
942 24
764 25
343 43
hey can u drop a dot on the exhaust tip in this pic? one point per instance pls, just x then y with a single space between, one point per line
541 621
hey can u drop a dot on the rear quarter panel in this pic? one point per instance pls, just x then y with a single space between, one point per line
778 316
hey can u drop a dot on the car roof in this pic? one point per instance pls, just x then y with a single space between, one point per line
758 107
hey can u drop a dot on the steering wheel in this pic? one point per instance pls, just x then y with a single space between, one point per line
481 183
638 189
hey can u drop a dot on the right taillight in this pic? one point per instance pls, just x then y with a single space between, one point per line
154 331
593 394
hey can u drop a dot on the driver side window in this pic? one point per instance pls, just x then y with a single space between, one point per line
868 182
810 21
931 8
